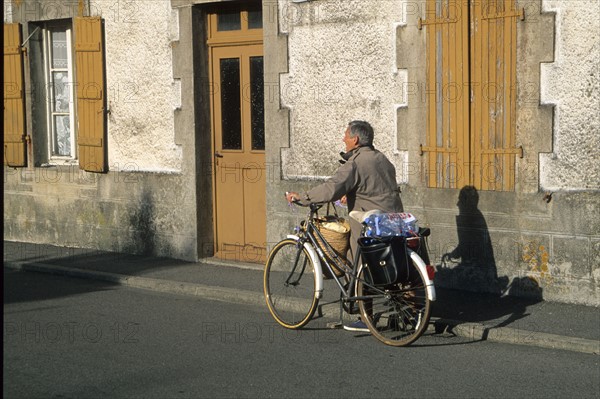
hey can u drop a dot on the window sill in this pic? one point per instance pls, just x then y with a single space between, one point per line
60 162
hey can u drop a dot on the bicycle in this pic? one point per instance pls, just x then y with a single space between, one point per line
396 314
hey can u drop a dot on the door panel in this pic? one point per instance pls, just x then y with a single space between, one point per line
238 129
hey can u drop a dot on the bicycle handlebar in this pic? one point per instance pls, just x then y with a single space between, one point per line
313 205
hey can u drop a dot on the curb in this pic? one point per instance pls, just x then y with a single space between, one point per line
192 289
507 335
473 331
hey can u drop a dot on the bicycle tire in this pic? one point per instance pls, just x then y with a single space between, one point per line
290 284
398 314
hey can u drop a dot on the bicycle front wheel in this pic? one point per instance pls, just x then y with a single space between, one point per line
397 314
290 284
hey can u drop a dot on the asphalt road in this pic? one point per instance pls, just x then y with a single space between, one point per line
72 338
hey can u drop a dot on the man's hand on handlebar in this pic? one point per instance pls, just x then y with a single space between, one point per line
291 196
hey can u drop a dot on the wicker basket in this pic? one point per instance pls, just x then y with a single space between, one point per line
336 231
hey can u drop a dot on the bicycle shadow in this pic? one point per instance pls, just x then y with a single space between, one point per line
470 290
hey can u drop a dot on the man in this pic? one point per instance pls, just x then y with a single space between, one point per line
367 181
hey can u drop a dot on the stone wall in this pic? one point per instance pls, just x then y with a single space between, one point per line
341 68
572 83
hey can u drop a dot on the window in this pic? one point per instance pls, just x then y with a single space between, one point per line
60 105
235 23
67 113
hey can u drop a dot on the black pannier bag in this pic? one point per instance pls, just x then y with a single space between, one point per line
386 259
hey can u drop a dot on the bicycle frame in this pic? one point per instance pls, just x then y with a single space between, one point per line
309 240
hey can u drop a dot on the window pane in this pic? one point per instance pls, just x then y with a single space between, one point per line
62 128
231 119
59 49
229 21
257 103
255 19
61 89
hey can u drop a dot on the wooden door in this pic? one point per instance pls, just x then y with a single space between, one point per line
239 158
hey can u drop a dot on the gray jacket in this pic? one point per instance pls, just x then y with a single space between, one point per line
368 179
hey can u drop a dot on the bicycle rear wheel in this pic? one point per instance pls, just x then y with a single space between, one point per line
289 284
397 314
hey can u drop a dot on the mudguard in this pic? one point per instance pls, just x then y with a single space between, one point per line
317 264
423 268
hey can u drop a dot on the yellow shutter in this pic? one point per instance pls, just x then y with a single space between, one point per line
493 119
448 94
14 100
89 67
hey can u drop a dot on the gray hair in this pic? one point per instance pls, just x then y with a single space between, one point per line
363 130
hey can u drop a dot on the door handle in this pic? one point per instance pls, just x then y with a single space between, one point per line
218 155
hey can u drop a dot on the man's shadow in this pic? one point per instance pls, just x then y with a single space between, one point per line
469 286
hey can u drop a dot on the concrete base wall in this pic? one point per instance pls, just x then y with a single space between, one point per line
518 244
140 213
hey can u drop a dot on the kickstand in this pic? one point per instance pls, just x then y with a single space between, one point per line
340 323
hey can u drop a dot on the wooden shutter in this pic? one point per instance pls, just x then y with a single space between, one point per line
447 93
14 99
471 92
494 86
89 67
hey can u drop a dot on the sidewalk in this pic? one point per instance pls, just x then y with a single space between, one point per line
475 316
